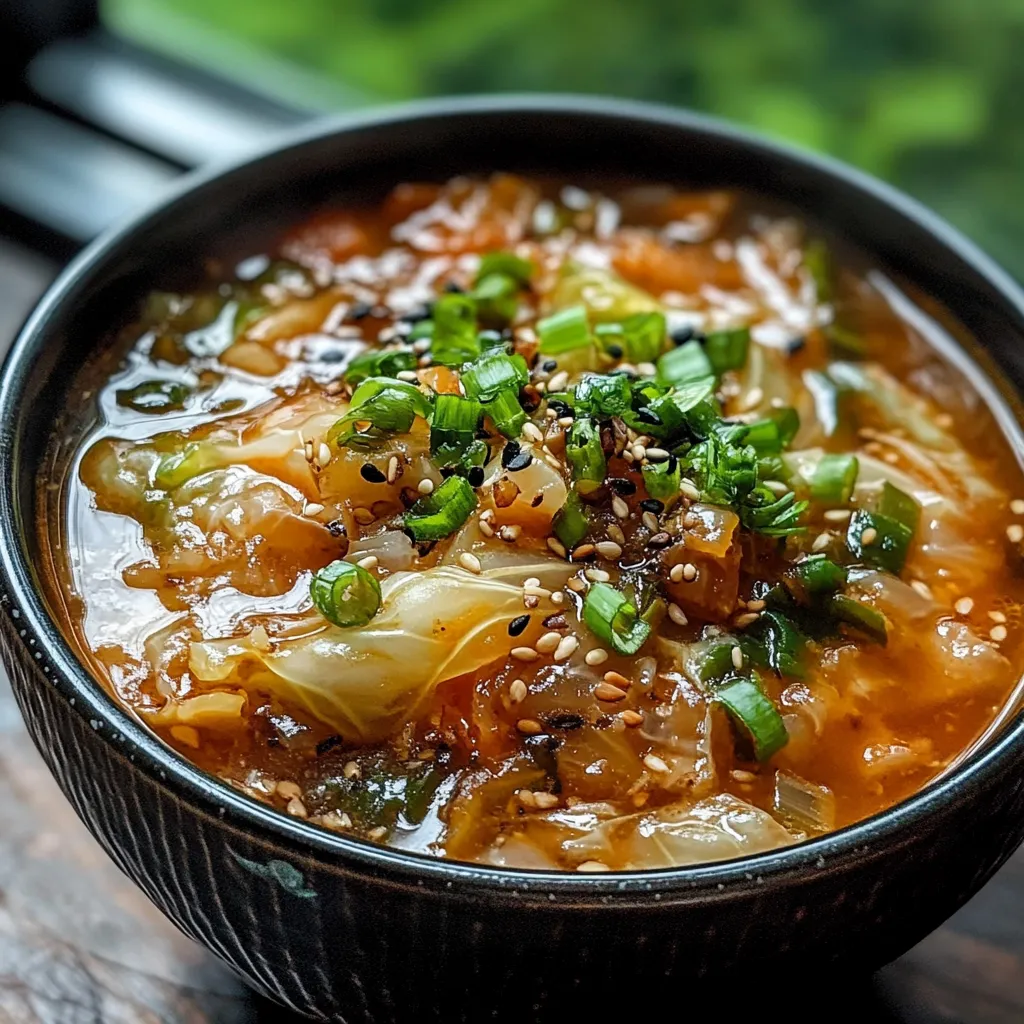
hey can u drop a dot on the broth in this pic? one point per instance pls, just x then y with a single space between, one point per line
724 557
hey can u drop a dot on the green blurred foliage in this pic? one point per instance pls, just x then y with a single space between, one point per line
925 93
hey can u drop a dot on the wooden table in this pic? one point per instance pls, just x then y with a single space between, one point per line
79 944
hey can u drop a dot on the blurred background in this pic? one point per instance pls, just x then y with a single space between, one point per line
925 94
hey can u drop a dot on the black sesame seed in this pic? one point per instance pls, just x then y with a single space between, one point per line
615 351
549 365
454 289
509 452
327 745
371 474
563 720
672 463
520 461
653 505
620 372
447 471
794 345
622 485
336 528
646 415
681 335
332 355
359 310
560 407
518 624
475 476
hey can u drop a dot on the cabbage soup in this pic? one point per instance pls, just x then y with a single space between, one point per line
545 526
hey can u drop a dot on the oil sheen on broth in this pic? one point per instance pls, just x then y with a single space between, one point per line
547 527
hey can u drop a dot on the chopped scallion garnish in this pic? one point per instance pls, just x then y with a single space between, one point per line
682 365
727 350
493 373
507 263
345 594
613 619
506 413
859 616
453 427
834 479
879 540
387 405
603 394
441 513
586 456
388 363
661 479
571 522
454 337
758 718
564 331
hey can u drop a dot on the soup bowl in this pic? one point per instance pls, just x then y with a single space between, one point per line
343 929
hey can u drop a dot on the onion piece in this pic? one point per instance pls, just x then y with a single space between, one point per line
804 805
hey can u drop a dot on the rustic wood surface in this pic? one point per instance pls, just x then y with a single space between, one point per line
79 944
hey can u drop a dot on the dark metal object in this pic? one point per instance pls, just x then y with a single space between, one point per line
343 929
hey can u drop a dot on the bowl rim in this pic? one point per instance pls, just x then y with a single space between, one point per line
128 738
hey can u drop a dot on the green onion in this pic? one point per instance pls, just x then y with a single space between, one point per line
603 394
388 363
506 413
819 575
888 540
661 479
785 645
684 364
788 421
759 719
586 456
860 616
454 335
682 406
442 512
640 336
614 620
899 505
387 405
777 518
155 396
453 428
571 521
825 394
835 478
493 373
496 298
818 261
727 350
345 594
564 331
763 436
507 263
715 662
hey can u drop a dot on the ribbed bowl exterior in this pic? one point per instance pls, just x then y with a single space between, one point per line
341 930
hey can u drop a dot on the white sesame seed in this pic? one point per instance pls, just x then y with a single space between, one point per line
309 451
997 617
557 597
485 528
351 770
313 508
655 763
964 606
469 561
525 797
545 801
296 808
598 656
555 546
753 398
323 454
616 534
582 551
657 455
688 489
689 572
410 376
597 575
776 487
1015 533
746 619
548 642
608 549
558 381
631 718
487 514
619 508
837 515
650 520
531 433
609 692
524 654
677 615
922 588
287 790
567 648
517 691
369 562
392 474
998 633
646 369
1017 506
822 541
591 867
737 658
531 581
627 455
870 535
639 452
363 516
529 726
509 533
675 574
425 486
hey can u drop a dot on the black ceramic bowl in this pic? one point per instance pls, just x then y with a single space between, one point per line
345 930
